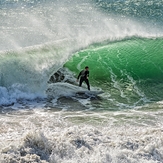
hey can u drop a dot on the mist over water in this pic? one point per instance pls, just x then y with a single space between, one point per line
29 23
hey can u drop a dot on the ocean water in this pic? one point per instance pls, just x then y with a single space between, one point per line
44 45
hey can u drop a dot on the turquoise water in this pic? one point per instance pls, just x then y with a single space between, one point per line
129 70
136 57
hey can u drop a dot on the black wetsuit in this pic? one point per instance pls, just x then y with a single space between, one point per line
83 75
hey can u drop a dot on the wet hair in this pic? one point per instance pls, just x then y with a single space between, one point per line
86 67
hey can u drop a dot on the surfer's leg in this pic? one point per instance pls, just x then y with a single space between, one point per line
87 82
80 82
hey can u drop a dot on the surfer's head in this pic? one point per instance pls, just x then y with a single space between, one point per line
86 67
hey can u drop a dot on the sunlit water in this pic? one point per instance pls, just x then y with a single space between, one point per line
43 119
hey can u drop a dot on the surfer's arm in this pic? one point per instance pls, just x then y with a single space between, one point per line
79 76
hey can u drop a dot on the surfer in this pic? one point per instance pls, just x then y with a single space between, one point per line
83 75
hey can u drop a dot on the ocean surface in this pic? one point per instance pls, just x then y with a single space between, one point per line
44 44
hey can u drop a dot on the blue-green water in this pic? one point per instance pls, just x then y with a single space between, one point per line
129 70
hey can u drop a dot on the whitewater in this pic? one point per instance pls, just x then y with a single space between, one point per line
44 44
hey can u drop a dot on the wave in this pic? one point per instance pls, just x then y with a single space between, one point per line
140 58
25 73
131 68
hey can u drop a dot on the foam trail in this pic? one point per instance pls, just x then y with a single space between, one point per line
79 137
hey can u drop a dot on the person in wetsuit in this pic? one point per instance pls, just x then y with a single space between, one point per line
83 75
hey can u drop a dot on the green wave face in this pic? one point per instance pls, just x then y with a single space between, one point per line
131 70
